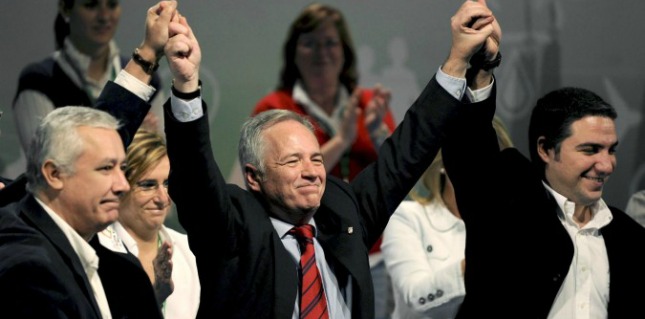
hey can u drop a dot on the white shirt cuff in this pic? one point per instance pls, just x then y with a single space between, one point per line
134 85
186 111
457 87
454 86
481 94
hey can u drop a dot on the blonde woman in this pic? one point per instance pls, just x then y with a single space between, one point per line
423 246
141 228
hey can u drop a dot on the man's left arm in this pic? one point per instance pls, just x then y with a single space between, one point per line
404 156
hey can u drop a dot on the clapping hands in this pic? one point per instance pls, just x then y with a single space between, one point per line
162 264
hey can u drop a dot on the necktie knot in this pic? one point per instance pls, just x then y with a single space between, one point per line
305 232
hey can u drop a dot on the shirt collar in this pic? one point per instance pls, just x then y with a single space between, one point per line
82 61
85 252
600 213
76 65
332 122
111 238
283 228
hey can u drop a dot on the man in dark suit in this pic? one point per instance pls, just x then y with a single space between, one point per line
246 255
51 263
541 242
53 268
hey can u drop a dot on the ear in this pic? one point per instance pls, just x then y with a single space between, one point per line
541 150
63 11
252 177
52 175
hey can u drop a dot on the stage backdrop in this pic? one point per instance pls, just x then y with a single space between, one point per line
547 44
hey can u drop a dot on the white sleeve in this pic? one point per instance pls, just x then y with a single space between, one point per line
418 282
29 109
636 207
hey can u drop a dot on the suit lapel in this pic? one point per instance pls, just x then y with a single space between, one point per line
342 239
33 214
285 281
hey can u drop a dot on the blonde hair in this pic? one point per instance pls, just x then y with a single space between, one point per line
144 153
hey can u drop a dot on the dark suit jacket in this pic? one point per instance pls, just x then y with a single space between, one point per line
40 274
40 278
244 269
14 190
5 180
517 251
126 284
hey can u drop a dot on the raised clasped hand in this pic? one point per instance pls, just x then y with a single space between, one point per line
183 54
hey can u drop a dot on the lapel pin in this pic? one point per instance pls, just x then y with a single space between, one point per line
350 230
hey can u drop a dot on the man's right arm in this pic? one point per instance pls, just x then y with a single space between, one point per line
466 151
475 31
184 57
127 97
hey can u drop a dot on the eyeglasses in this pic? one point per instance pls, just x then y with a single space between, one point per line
150 186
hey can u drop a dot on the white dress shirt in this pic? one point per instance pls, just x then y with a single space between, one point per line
584 294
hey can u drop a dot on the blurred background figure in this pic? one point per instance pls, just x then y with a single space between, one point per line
86 57
141 228
636 207
423 246
319 78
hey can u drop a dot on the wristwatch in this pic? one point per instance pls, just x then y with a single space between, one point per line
147 66
477 61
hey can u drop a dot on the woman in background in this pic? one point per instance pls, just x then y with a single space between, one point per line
318 79
423 246
141 228
86 58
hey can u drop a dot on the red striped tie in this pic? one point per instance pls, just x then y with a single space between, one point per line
313 304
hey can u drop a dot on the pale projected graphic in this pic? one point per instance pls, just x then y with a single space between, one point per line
629 120
396 76
400 79
366 61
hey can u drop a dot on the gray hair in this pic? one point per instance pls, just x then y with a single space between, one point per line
252 144
57 139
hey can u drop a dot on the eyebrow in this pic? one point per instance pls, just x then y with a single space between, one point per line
593 144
